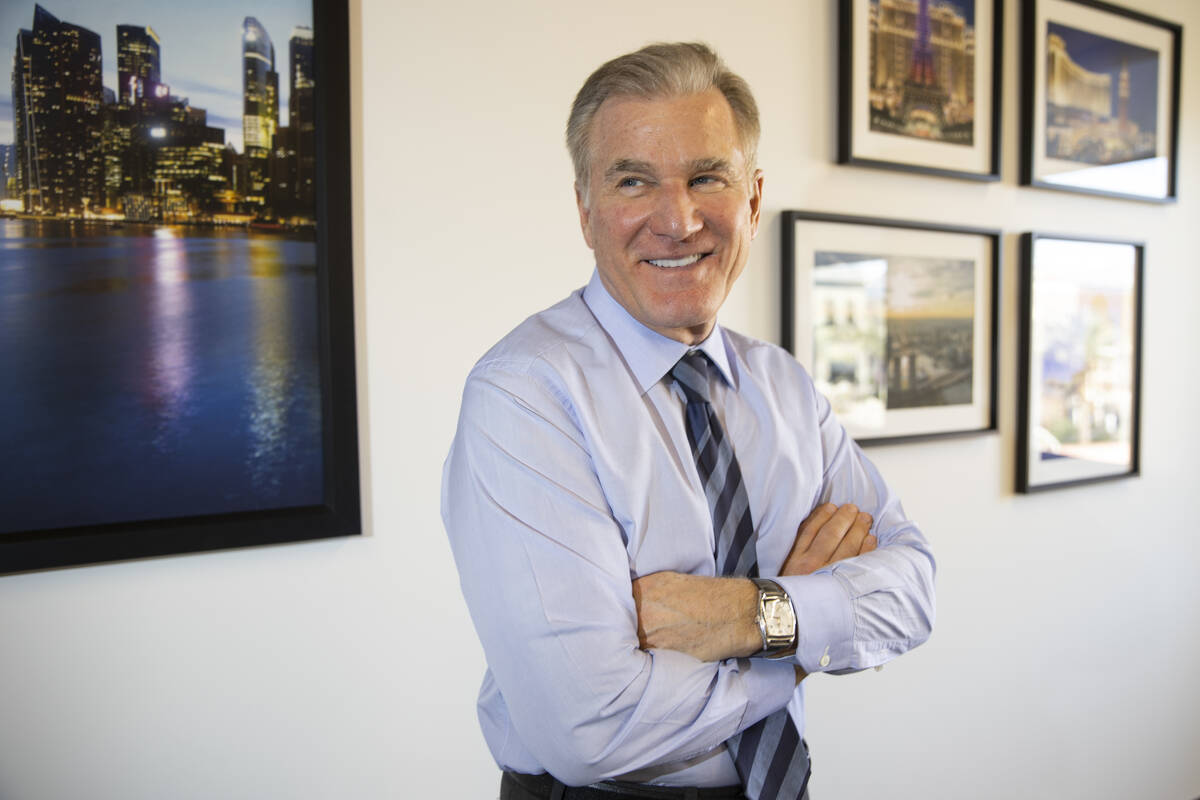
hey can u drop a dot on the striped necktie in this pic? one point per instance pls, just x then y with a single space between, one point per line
770 757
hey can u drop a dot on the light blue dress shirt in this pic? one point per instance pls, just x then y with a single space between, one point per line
571 475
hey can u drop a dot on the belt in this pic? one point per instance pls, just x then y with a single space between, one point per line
547 786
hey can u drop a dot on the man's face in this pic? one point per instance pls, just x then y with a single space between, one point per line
670 208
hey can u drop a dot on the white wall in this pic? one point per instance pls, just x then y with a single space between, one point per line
1065 659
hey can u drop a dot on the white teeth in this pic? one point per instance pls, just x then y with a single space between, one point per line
676 262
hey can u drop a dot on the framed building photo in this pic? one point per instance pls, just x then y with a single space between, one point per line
1099 99
176 314
919 85
1080 361
895 321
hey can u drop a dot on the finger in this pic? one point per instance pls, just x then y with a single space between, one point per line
851 543
832 532
869 544
812 524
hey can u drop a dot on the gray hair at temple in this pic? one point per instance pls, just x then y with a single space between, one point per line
658 71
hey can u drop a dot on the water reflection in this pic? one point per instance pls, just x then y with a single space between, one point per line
155 372
171 364
270 376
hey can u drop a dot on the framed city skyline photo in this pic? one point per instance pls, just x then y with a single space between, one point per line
919 85
1099 100
1080 361
895 321
176 313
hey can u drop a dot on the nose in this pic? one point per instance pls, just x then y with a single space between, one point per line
675 213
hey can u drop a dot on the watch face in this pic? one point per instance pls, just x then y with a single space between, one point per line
779 618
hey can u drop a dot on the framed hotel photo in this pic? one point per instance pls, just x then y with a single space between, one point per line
176 313
919 86
895 321
1099 100
1080 361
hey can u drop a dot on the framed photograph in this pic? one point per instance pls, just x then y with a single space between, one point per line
1080 361
895 321
176 311
919 86
1099 99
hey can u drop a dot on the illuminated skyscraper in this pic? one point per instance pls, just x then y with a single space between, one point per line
302 115
260 95
301 77
8 170
139 65
28 173
57 100
260 87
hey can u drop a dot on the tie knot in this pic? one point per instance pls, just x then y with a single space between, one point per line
691 373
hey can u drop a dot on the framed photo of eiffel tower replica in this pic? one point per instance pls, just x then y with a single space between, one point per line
919 86
1099 99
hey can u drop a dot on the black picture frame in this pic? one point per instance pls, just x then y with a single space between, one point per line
338 512
1115 131
1078 294
866 112
884 383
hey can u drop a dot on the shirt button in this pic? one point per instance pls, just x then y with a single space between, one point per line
825 660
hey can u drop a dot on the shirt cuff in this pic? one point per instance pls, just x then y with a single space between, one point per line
769 686
824 621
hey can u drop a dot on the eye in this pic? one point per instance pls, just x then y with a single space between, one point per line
707 182
629 183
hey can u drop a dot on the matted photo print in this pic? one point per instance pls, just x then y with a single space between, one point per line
176 321
1080 361
919 85
1100 99
895 321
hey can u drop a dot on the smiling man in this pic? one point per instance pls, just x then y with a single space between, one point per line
669 204
660 528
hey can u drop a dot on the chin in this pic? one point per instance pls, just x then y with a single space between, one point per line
697 320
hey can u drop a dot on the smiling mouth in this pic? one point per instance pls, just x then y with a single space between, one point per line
672 263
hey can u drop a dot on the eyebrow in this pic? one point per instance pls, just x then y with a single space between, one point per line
623 166
712 165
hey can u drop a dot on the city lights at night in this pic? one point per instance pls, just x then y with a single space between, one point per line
150 150
158 274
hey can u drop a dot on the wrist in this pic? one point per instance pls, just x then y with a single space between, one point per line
749 639
775 620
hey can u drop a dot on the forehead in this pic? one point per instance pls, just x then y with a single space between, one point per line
665 130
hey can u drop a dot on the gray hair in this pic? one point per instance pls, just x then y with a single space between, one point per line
657 71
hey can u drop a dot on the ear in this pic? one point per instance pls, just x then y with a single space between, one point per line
584 216
756 188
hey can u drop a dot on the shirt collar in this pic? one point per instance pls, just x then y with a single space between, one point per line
649 354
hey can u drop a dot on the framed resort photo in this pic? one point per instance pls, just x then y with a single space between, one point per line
1080 361
919 86
895 321
176 312
1099 100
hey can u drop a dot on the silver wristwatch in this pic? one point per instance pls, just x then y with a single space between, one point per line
776 619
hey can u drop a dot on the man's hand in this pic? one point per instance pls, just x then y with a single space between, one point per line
715 618
708 618
827 535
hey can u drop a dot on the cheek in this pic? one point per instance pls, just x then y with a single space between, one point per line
615 229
